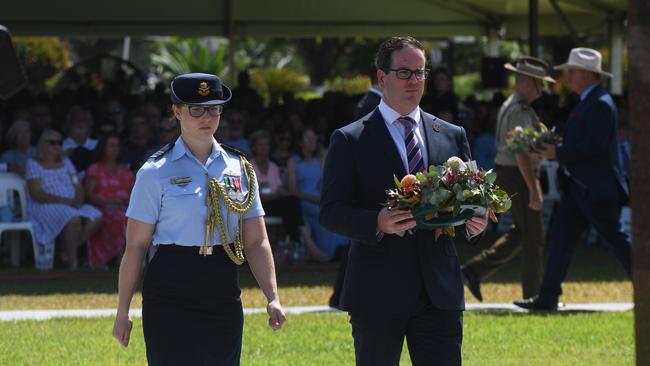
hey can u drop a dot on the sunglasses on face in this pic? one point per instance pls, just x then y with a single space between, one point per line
55 142
198 111
405 74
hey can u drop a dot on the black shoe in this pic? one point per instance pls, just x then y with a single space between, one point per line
535 303
334 301
473 282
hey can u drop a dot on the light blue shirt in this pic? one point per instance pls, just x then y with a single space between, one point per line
398 133
587 91
170 193
69 143
19 158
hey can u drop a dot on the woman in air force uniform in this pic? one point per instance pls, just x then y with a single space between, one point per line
198 202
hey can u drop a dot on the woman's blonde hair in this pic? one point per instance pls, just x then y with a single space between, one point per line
41 145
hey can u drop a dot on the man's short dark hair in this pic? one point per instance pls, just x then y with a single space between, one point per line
384 57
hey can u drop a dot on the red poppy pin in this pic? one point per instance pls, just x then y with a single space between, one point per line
435 127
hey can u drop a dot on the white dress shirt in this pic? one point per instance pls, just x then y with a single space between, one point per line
397 131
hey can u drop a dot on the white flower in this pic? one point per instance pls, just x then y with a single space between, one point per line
456 164
519 129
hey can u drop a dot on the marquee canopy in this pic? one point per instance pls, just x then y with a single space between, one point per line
307 18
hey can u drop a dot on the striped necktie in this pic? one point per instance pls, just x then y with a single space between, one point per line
413 151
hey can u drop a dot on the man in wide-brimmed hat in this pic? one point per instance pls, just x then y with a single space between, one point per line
594 188
516 175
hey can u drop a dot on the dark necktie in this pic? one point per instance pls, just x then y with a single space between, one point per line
413 151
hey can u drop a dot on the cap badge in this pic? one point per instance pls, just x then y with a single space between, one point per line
203 89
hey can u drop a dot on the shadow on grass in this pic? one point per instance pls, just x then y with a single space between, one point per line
33 282
539 313
589 264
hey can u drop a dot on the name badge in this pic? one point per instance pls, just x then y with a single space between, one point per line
180 180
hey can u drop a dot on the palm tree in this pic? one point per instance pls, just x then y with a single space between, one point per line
179 56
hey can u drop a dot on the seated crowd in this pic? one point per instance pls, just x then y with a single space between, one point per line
79 151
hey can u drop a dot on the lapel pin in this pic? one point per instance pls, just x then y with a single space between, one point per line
435 127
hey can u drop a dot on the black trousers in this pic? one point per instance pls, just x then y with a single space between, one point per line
575 213
433 336
191 308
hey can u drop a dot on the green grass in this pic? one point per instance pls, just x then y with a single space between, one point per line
591 339
594 276
324 339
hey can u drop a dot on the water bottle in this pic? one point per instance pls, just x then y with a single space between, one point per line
298 251
44 256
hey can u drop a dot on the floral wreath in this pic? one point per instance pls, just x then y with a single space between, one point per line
446 195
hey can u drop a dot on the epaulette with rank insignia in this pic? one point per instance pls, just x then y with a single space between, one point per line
158 154
232 150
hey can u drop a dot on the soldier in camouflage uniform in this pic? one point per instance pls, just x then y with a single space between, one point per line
516 174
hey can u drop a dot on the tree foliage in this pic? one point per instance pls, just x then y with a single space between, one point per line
42 58
184 55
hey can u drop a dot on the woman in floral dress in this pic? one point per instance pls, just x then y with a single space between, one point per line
108 186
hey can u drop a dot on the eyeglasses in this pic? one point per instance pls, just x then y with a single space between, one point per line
405 74
198 111
55 142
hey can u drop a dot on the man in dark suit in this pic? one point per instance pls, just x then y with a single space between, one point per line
369 101
594 188
396 286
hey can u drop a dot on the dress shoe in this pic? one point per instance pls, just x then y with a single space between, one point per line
535 303
473 282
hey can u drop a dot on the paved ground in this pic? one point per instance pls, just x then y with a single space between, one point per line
12 315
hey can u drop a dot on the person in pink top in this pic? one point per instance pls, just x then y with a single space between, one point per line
108 186
276 200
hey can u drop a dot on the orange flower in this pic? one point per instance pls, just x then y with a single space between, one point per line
409 182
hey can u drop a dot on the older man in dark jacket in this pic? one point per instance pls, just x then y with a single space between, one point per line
594 188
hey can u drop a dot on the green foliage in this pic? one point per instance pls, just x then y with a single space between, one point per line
42 58
263 57
525 140
261 53
467 84
184 55
350 86
446 188
358 55
272 83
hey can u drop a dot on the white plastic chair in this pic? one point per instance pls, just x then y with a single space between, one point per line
10 183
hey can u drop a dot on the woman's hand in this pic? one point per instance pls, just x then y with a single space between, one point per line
122 329
276 315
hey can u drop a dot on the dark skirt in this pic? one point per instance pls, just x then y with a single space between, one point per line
191 308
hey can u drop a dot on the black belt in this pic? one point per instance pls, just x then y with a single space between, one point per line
181 248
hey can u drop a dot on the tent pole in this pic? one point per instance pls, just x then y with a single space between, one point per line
126 48
616 56
230 33
533 34
493 43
